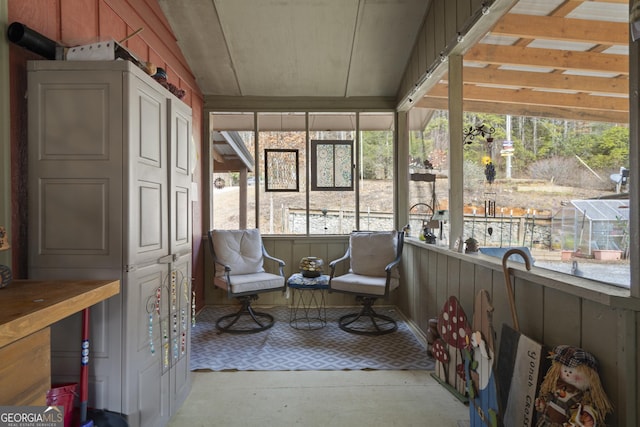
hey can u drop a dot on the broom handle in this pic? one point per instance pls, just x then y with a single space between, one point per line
507 281
84 367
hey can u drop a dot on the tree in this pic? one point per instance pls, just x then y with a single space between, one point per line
377 150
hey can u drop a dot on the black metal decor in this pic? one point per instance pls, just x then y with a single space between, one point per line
481 130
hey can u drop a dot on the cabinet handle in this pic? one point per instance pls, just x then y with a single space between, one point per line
167 259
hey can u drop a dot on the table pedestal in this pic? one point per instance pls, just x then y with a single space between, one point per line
309 310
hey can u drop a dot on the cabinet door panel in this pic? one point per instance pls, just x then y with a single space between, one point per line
180 176
76 172
148 217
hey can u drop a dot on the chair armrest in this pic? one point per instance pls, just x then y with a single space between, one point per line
399 252
335 262
392 264
216 261
225 267
280 262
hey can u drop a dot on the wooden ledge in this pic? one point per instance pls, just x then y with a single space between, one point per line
27 306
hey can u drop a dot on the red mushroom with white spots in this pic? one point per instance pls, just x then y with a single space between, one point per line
453 325
440 351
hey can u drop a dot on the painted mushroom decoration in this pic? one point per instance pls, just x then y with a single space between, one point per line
440 351
453 325
454 328
441 354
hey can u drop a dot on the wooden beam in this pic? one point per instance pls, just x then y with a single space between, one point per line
302 103
489 106
217 156
566 29
532 80
530 97
228 166
548 58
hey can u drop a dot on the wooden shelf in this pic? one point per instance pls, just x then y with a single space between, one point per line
27 310
26 306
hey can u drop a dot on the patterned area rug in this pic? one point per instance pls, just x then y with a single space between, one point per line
283 348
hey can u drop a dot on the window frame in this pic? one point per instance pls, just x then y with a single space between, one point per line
295 171
314 164
388 122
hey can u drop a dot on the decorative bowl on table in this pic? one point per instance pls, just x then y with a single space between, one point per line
311 266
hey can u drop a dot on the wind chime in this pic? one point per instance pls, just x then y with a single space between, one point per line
486 132
173 324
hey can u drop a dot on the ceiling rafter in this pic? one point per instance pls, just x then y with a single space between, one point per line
556 27
568 64
532 97
555 81
548 58
489 106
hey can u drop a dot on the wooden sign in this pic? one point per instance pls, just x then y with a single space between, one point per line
522 362
480 366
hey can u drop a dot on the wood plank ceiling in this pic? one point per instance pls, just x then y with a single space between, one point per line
296 48
549 58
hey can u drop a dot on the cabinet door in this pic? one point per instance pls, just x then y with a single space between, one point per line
157 375
76 210
147 255
180 169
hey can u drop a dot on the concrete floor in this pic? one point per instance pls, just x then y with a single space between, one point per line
319 398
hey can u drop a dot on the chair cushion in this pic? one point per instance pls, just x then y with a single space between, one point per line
362 285
255 282
241 250
372 252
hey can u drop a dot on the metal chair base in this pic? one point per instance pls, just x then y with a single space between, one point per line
378 324
263 320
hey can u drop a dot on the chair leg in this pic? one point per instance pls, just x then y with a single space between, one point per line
380 324
263 320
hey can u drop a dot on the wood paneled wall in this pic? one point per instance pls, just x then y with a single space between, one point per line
76 22
552 308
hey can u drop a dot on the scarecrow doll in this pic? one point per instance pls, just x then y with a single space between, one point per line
571 393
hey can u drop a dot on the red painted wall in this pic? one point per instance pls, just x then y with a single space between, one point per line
76 22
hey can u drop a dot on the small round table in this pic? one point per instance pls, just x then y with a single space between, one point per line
309 310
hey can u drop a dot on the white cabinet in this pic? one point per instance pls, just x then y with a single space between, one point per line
109 198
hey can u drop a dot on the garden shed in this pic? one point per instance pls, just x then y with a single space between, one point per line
595 228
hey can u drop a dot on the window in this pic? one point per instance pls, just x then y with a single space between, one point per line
377 171
232 150
281 170
555 187
428 180
315 173
332 212
332 165
282 212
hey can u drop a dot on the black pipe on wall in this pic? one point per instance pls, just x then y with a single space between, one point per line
24 36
